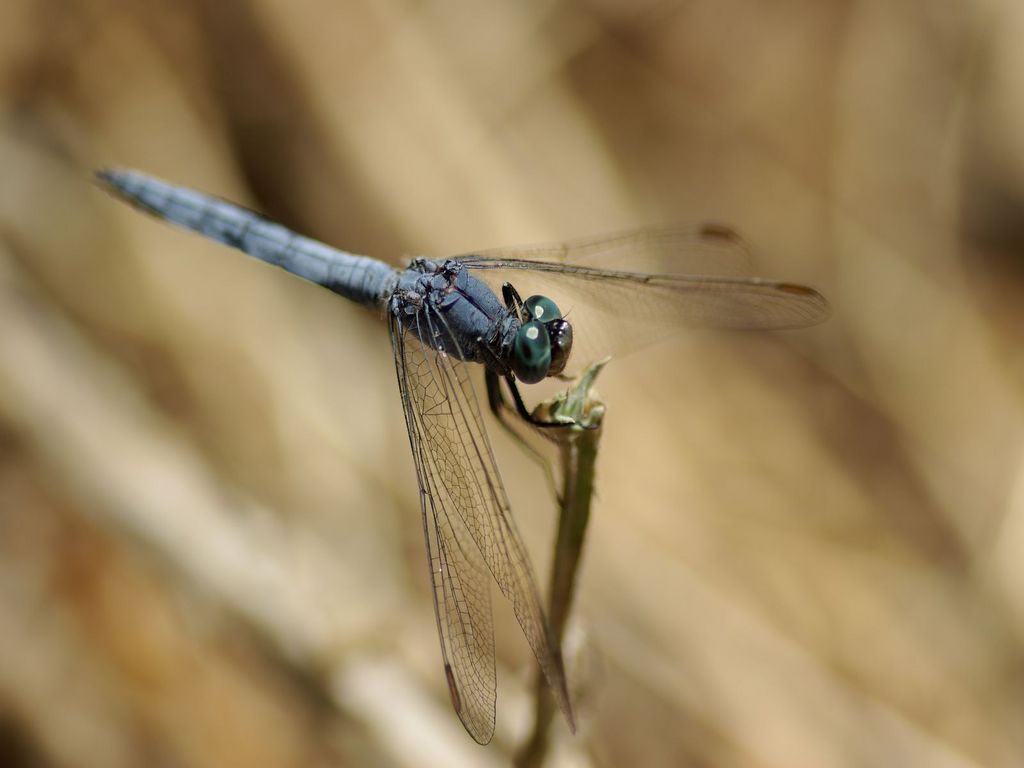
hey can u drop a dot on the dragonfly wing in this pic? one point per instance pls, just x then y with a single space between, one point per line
699 249
468 528
622 292
459 578
695 301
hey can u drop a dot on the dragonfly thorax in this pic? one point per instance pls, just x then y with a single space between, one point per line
450 311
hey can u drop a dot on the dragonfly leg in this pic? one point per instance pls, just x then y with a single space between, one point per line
534 421
500 407
502 410
520 407
512 299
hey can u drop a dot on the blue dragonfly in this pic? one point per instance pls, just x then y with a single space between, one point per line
445 314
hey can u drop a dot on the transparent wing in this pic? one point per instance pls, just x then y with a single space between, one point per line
626 290
469 530
698 249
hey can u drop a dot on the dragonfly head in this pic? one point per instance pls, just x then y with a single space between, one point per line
543 343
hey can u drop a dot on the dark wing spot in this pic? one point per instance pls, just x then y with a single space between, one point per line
720 232
799 290
453 690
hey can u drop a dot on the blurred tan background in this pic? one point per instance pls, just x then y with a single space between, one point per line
808 548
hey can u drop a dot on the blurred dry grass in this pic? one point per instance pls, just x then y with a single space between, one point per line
809 547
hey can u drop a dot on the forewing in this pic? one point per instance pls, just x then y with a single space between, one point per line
699 249
468 528
624 291
459 578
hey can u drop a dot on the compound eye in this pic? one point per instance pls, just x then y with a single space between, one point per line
560 334
542 309
531 354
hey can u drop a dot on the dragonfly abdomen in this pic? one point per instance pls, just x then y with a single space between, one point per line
359 278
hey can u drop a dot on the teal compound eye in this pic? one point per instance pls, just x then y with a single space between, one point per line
542 309
531 353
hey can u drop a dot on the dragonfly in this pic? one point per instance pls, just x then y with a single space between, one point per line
444 316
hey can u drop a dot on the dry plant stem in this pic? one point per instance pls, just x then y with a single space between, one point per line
577 455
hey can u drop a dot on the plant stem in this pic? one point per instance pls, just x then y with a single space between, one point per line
582 412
